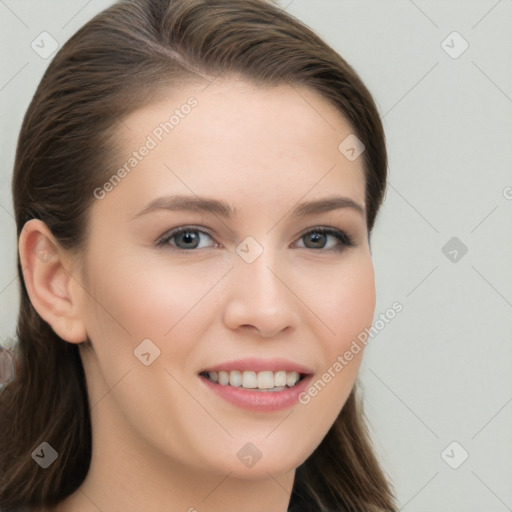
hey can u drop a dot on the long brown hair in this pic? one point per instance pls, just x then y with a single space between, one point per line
112 66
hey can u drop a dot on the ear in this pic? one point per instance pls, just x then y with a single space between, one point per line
52 289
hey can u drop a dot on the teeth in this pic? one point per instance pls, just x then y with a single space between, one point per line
292 378
235 378
223 378
249 380
266 380
255 380
280 379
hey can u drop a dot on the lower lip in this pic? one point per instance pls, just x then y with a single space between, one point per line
261 401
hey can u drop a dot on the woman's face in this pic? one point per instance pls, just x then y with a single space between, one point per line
262 280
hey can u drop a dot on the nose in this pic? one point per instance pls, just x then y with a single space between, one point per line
260 298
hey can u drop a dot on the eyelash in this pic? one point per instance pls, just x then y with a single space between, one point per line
345 239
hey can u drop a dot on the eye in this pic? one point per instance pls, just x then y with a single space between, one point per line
186 238
325 238
189 238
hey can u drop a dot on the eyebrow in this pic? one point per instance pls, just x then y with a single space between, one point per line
223 209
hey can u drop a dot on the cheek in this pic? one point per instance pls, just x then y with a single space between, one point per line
168 294
356 303
344 299
346 306
136 299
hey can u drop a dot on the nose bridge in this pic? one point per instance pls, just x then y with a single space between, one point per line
261 278
259 296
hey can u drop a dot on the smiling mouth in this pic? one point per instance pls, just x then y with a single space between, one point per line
255 381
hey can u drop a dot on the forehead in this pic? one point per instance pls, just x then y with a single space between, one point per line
238 141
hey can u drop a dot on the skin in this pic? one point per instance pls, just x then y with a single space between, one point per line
161 439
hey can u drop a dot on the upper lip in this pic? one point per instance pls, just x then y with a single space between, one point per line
259 365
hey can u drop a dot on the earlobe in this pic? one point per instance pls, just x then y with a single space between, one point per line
48 280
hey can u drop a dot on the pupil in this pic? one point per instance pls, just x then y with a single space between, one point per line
189 238
317 239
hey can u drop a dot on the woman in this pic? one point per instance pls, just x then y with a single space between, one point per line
195 185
